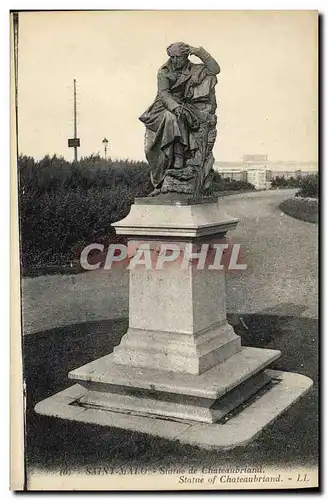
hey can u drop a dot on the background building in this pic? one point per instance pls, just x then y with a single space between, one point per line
255 167
257 177
231 170
259 171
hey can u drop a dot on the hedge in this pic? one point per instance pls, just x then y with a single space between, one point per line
65 206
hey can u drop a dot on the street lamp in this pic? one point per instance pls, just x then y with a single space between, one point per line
105 143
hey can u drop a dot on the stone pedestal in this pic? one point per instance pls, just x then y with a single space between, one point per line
180 362
177 313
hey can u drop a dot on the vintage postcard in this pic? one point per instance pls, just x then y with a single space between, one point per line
164 274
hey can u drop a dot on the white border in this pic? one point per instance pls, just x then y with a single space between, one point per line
5 6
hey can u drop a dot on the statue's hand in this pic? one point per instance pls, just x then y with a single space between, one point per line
178 110
193 50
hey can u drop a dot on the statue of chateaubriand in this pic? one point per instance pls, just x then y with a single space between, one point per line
181 123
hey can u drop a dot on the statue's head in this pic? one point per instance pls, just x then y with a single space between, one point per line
178 53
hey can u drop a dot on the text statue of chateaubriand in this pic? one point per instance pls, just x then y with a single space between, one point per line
181 123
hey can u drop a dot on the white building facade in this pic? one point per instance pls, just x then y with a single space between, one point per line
259 171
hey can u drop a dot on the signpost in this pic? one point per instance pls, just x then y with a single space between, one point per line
73 143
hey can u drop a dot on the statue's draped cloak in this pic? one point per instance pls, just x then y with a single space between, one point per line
195 129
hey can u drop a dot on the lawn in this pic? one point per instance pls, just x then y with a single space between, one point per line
52 444
301 208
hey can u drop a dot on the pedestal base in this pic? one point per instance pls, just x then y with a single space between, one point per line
178 352
237 431
207 397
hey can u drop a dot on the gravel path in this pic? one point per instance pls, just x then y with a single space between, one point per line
281 256
281 276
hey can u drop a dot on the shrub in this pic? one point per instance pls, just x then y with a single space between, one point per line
64 206
226 184
309 187
285 183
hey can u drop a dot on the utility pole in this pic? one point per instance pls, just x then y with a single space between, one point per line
75 142
75 125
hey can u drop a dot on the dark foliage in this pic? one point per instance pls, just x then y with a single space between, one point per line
282 182
309 187
299 208
65 206
226 184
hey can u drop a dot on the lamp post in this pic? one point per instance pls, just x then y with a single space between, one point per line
105 143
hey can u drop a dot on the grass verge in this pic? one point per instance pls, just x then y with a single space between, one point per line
301 208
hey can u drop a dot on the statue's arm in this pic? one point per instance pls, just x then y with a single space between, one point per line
209 62
164 93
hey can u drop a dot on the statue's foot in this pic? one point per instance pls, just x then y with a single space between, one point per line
155 192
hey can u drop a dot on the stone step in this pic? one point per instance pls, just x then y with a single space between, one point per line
237 431
175 406
104 375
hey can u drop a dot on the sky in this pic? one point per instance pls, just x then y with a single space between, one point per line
266 91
